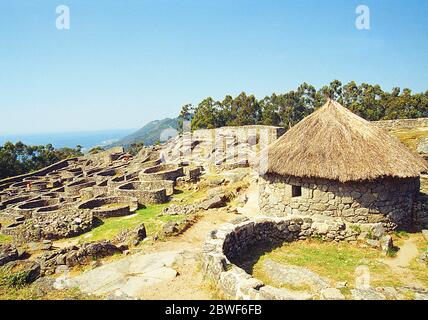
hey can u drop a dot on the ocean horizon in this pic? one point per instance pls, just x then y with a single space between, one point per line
87 139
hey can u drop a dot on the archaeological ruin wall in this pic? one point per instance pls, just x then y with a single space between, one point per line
389 201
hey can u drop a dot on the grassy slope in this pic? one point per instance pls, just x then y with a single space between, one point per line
150 133
410 137
335 261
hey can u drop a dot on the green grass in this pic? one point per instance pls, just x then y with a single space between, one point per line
5 239
31 292
419 270
112 226
334 261
410 137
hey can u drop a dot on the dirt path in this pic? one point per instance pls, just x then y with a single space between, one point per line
141 276
408 251
251 207
188 285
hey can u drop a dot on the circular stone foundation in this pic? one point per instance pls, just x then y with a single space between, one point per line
110 206
142 192
161 172
228 245
28 208
73 188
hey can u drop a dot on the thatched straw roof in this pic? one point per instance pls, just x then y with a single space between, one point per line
334 143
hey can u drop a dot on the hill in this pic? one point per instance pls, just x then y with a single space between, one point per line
149 134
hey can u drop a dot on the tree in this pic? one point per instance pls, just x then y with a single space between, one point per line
186 114
247 110
135 147
18 158
286 109
96 150
205 115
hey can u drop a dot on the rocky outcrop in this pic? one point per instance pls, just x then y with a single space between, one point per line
217 201
131 236
172 228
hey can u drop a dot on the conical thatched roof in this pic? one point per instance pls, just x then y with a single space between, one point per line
333 143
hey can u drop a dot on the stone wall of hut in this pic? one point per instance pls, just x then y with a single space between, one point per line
389 201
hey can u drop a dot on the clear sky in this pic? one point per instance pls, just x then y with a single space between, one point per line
126 62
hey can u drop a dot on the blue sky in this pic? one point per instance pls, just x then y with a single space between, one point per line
124 63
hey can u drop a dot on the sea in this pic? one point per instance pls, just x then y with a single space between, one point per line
87 139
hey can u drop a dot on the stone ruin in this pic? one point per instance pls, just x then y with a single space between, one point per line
227 147
390 201
63 200
226 253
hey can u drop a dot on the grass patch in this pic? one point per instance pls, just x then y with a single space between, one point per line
110 227
419 270
32 292
335 261
399 237
410 137
13 279
5 239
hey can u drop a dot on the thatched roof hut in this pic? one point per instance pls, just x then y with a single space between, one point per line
334 143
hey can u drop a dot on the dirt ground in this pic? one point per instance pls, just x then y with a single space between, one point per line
188 285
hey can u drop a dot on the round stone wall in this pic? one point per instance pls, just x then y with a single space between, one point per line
224 247
389 201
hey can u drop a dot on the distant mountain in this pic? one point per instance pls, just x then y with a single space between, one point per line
152 132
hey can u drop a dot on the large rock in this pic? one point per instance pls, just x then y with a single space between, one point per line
91 251
127 277
367 294
131 236
8 253
215 202
271 293
170 228
297 277
423 146
332 294
140 232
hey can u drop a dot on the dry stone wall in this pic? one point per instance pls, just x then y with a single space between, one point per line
402 123
144 195
389 201
224 247
161 172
